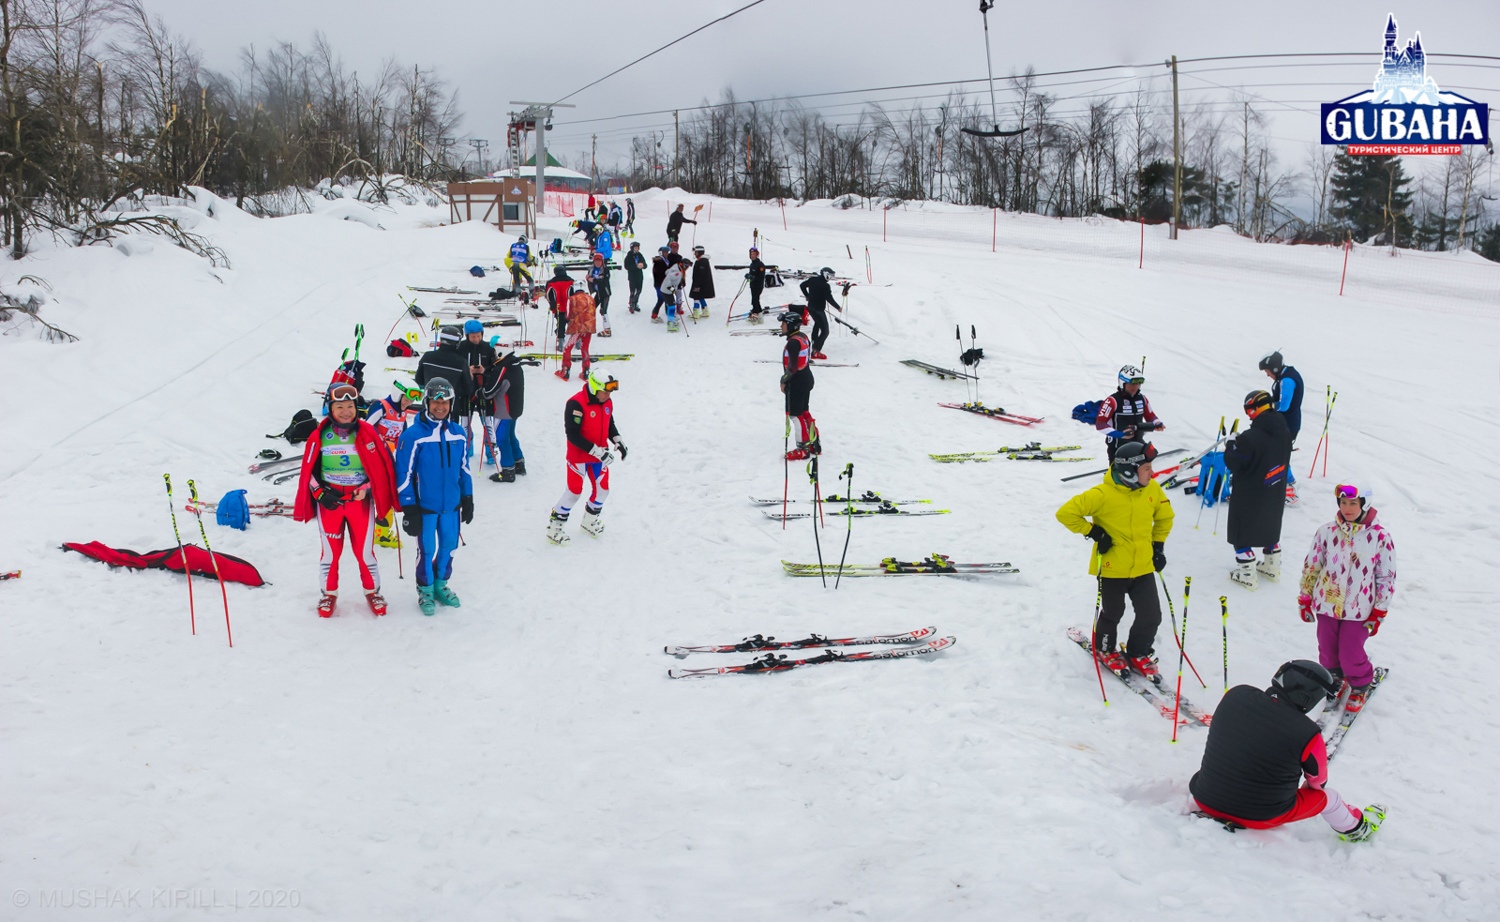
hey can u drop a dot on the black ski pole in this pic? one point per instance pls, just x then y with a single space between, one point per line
849 514
786 468
812 473
975 354
958 334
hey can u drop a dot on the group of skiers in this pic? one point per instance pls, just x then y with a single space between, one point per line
1265 762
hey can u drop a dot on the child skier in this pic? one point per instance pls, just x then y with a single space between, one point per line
589 423
436 493
1286 397
1348 579
1258 459
1125 415
703 283
797 384
757 278
671 289
599 287
347 480
390 417
580 331
1262 745
1131 520
559 290
506 395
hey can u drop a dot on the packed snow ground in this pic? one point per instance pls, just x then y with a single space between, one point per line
526 757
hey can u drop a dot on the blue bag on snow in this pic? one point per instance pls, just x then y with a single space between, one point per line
1087 412
233 510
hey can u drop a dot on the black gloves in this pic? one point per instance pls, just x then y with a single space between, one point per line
1102 538
411 520
326 498
1159 555
466 509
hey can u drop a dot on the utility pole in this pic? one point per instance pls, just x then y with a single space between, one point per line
1176 154
594 163
676 136
539 116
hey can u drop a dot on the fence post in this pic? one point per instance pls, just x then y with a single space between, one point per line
1345 273
1142 263
783 212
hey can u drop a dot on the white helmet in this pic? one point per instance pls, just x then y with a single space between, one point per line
1129 374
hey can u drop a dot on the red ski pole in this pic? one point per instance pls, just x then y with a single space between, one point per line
1094 632
193 492
1171 609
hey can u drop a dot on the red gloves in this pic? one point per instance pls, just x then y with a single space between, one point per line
1372 623
1304 608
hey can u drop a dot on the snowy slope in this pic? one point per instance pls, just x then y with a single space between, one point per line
526 757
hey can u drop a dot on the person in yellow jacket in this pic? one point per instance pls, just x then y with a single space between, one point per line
1128 517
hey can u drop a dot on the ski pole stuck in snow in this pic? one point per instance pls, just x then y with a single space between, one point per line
193 493
172 508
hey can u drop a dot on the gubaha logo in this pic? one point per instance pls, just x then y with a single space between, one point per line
1405 112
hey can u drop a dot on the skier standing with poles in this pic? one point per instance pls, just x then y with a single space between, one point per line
797 384
589 424
757 279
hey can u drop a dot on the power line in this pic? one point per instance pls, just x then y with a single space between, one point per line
662 48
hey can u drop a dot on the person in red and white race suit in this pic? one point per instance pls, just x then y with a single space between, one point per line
348 479
390 416
797 385
589 421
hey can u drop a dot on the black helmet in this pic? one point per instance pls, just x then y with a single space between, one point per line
1257 400
1128 460
1272 362
436 389
826 272
792 319
1303 683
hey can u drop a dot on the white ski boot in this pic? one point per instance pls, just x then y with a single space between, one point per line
590 523
1244 573
555 530
1270 566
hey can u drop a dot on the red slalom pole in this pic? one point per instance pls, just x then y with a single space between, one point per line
1343 275
198 514
192 611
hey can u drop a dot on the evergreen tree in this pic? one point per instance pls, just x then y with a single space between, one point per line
1489 243
1370 198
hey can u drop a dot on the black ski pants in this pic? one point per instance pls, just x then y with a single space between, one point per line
1147 605
820 326
755 290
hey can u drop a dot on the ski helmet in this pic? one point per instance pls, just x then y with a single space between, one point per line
342 391
1272 362
1303 683
1129 374
1350 491
521 239
436 389
473 326
599 258
792 319
635 245
826 272
1128 460
449 335
1256 402
598 382
755 250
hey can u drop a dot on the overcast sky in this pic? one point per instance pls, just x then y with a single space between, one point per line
494 52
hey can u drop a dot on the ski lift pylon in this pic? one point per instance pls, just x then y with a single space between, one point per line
995 131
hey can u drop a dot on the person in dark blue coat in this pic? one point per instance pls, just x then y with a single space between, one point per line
432 480
1286 399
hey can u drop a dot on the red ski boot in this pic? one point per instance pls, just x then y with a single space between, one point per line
325 606
377 602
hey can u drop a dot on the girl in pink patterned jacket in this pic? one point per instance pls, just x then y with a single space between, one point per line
1348 579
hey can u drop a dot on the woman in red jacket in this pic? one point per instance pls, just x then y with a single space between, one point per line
348 480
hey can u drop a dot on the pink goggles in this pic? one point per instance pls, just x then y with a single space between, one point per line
1348 491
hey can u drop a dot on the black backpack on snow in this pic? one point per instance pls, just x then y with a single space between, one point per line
302 427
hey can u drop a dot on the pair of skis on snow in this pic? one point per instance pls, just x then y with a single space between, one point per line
920 642
1031 451
1167 703
870 504
936 565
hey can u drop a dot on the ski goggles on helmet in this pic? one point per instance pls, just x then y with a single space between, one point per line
414 394
1348 491
342 392
1139 380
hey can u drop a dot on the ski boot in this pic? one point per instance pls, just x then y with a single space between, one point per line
1146 666
1343 685
1356 699
385 535
672 326
756 318
1244 573
1114 661
819 356
325 605
520 467
564 372
376 601
555 530
605 333
425 600
1291 494
1270 566
590 522
1369 823
705 311
655 319
443 595
506 475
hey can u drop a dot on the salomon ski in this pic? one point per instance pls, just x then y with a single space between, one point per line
760 642
1157 697
994 413
773 662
